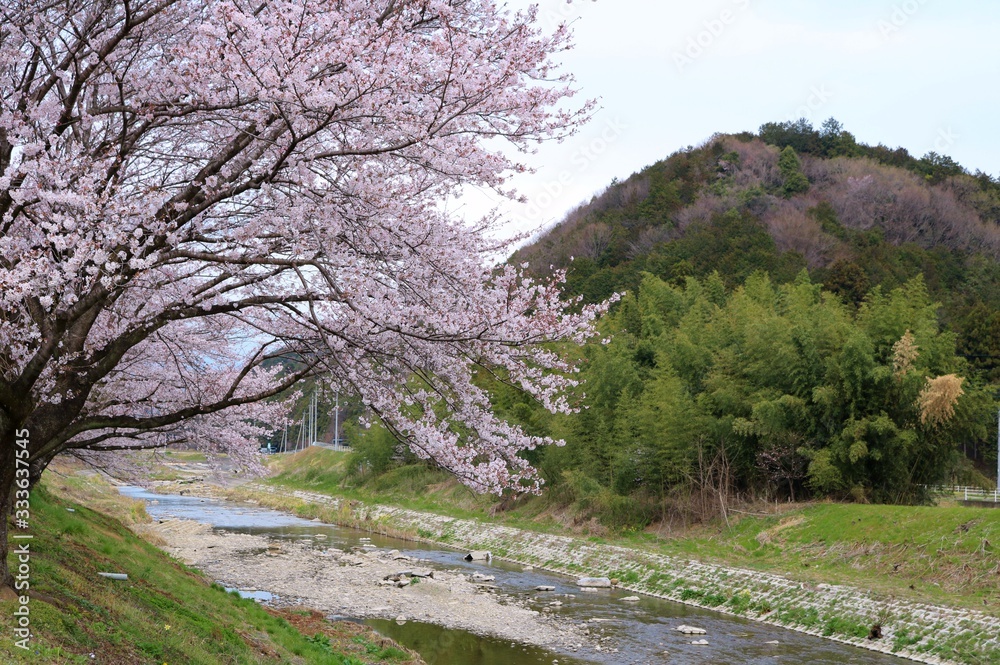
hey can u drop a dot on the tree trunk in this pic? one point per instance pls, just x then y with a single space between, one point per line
35 471
8 476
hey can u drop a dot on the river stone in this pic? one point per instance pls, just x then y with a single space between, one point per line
701 643
543 587
479 555
422 573
479 577
630 599
114 576
691 630
594 582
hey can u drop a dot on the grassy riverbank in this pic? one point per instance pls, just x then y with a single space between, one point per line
900 580
165 613
938 554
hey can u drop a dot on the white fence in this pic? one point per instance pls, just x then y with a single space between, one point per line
965 493
338 446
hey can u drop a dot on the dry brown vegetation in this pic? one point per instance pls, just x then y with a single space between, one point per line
938 398
864 195
730 173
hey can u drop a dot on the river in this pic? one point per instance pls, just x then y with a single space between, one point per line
630 633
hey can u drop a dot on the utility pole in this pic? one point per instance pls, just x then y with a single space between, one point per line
336 425
309 422
998 451
315 418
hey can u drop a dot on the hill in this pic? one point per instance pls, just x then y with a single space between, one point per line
804 317
790 198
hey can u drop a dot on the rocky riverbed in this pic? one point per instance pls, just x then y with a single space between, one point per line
368 583
917 631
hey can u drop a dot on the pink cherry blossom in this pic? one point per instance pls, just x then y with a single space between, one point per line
193 189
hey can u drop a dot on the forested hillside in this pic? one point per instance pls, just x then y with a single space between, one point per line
804 316
790 198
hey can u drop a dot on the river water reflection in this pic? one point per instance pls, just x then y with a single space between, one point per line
640 632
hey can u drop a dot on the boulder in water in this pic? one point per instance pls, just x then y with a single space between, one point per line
594 582
479 555
691 630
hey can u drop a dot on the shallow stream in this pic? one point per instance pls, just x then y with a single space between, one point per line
640 632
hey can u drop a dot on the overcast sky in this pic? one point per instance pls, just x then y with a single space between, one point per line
921 74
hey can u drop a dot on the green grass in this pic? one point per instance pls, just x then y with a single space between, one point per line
944 554
417 487
164 613
940 554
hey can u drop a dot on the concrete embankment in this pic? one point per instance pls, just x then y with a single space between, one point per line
918 631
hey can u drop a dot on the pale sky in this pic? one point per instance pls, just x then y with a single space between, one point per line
921 74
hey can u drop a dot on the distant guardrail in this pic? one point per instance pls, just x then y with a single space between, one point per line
338 446
964 493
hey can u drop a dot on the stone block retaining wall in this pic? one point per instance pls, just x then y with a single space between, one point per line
921 632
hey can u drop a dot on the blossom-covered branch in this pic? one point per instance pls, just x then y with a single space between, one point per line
203 202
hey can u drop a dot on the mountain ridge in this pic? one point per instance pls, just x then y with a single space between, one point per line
790 198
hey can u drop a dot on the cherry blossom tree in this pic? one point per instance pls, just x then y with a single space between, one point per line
191 190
